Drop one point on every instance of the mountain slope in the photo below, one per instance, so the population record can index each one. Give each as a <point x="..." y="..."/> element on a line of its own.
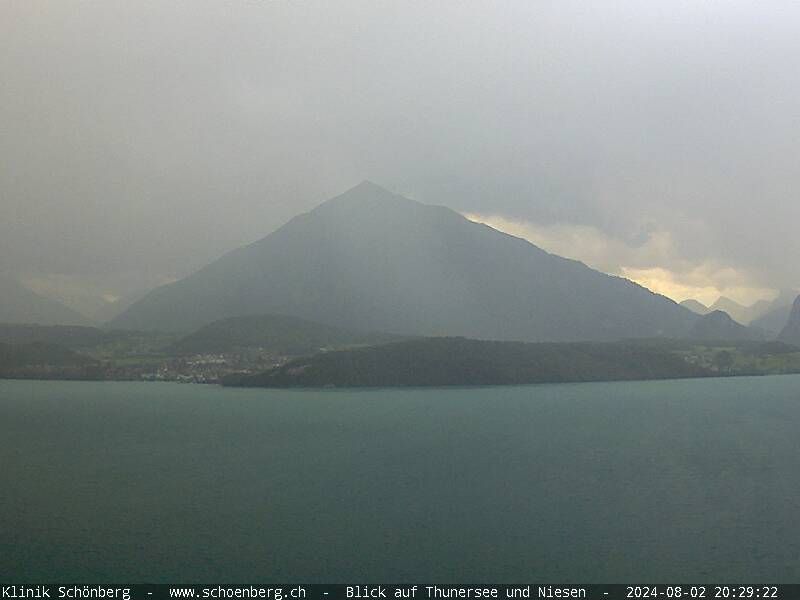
<point x="37" y="353"/>
<point x="20" y="305"/>
<point x="274" y="333"/>
<point x="375" y="261"/>
<point x="790" y="334"/>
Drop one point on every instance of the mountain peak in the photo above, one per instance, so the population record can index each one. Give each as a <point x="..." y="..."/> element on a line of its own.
<point x="370" y="187"/>
<point x="720" y="316"/>
<point x="366" y="197"/>
<point x="366" y="190"/>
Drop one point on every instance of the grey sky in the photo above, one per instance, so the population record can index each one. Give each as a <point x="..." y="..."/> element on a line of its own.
<point x="140" y="140"/>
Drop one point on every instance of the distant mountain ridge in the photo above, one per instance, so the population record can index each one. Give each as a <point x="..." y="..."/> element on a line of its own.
<point x="695" y="306"/>
<point x="719" y="326"/>
<point x="374" y="261"/>
<point x="738" y="312"/>
<point x="768" y="316"/>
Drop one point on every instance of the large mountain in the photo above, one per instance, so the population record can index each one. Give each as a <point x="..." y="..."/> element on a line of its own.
<point x="375" y="261"/>
<point x="739" y="312"/>
<point x="791" y="331"/>
<point x="20" y="305"/>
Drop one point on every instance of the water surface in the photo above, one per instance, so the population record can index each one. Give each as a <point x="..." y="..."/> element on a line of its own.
<point x="671" y="481"/>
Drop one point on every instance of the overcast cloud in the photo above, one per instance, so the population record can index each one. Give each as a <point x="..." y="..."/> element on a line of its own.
<point x="140" y="140"/>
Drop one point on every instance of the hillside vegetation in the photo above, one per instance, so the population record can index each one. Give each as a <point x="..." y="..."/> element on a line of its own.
<point x="460" y="361"/>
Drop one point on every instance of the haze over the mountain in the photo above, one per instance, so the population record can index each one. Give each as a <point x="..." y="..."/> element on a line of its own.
<point x="790" y="334"/>
<point x="739" y="312"/>
<point x="20" y="305"/>
<point x="375" y="261"/>
<point x="774" y="318"/>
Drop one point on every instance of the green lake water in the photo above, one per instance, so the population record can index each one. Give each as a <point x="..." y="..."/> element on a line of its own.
<point x="668" y="481"/>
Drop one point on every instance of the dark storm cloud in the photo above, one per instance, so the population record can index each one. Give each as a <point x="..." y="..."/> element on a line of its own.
<point x="139" y="140"/>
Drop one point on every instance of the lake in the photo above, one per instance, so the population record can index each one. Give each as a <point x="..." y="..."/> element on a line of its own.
<point x="667" y="481"/>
